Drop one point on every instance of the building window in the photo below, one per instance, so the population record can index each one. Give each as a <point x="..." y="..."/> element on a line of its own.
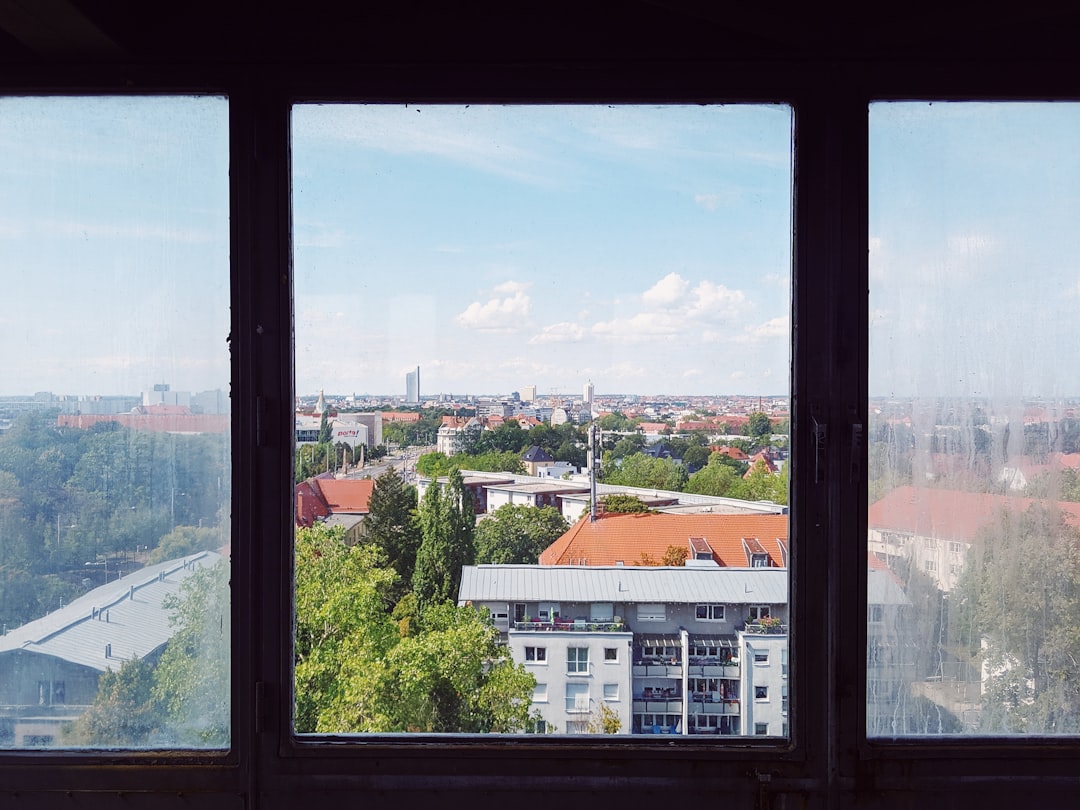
<point x="761" y="658"/>
<point x="651" y="613"/>
<point x="757" y="612"/>
<point x="955" y="548"/>
<point x="577" y="727"/>
<point x="549" y="611"/>
<point x="931" y="566"/>
<point x="611" y="691"/>
<point x="759" y="561"/>
<point x="709" y="613"/>
<point x="577" y="660"/>
<point x="537" y="654"/>
<point x="577" y="697"/>
<point x="601" y="612"/>
<point x="611" y="654"/>
<point x="761" y="693"/>
<point x="540" y="693"/>
<point x="875" y="613"/>
<point x="761" y="729"/>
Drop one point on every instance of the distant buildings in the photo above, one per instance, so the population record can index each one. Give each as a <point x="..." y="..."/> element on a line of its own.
<point x="935" y="528"/>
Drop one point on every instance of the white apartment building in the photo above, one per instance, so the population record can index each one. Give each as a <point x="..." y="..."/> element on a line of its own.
<point x="683" y="650"/>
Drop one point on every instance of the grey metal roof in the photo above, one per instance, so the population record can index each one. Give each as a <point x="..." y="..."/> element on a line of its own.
<point x="683" y="584"/>
<point x="557" y="583"/>
<point x="883" y="589"/>
<point x="125" y="614"/>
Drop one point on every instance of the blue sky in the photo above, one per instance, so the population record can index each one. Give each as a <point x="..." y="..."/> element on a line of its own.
<point x="975" y="250"/>
<point x="645" y="248"/>
<point x="114" y="244"/>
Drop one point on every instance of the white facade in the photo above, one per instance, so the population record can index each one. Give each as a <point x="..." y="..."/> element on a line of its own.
<point x="665" y="649"/>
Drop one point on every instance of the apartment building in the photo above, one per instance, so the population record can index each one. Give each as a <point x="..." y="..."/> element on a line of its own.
<point x="681" y="650"/>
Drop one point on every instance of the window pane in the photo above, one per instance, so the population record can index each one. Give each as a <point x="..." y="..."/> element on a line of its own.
<point x="476" y="288"/>
<point x="114" y="423"/>
<point x="974" y="432"/>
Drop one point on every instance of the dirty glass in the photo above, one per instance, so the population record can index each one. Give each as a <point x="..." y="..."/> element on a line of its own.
<point x="114" y="423"/>
<point x="515" y="326"/>
<point x="974" y="430"/>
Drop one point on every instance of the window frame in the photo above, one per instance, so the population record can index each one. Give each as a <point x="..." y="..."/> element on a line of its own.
<point x="828" y="756"/>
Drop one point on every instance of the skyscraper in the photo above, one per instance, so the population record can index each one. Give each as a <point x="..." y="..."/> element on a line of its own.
<point x="412" y="386"/>
<point x="587" y="394"/>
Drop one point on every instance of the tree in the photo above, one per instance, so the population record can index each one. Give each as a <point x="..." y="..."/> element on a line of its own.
<point x="391" y="526"/>
<point x="1020" y="592"/>
<point x="342" y="630"/>
<point x="191" y="682"/>
<point x="695" y="457"/>
<point x="675" y="556"/>
<point x="716" y="479"/>
<point x="184" y="540"/>
<point x="447" y="525"/>
<point x="324" y="429"/>
<point x="762" y="485"/>
<point x="640" y="470"/>
<point x="623" y="504"/>
<point x="518" y="534"/>
<point x="434" y="465"/>
<point x="359" y="669"/>
<point x="604" y="720"/>
<point x="123" y="714"/>
<point x="758" y="425"/>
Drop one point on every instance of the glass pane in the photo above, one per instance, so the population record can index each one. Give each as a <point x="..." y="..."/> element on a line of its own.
<point x="478" y="288"/>
<point x="114" y="423"/>
<point x="975" y="436"/>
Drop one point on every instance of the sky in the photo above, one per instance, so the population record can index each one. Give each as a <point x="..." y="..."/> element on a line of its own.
<point x="114" y="244"/>
<point x="645" y="248"/>
<point x="975" y="250"/>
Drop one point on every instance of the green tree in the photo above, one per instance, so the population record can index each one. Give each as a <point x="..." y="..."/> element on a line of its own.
<point x="761" y="485"/>
<point x="640" y="470"/>
<point x="758" y="425"/>
<point x="123" y="714"/>
<point x="604" y="720"/>
<point x="434" y="465"/>
<point x="716" y="479"/>
<point x="191" y="682"/>
<point x="695" y="457"/>
<point x="184" y="540"/>
<point x="623" y="504"/>
<point x="518" y="534"/>
<point x="342" y="631"/>
<point x="324" y="429"/>
<point x="391" y="525"/>
<point x="1020" y="592"/>
<point x="447" y="526"/>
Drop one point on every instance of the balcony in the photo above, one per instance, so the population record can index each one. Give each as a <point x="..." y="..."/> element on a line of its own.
<point x="576" y="626"/>
<point x="766" y="627"/>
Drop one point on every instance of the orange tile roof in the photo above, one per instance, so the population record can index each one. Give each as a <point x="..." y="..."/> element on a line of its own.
<point x="346" y="495"/>
<point x="951" y="514"/>
<point x="614" y="538"/>
<point x="318" y="498"/>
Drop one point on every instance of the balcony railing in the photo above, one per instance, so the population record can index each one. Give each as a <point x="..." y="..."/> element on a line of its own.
<point x="573" y="626"/>
<point x="766" y="628"/>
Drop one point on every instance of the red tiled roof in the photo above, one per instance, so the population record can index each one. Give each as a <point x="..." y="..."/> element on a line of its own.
<point x="614" y="538"/>
<point x="951" y="514"/>
<point x="346" y="494"/>
<point x="318" y="498"/>
<point x="730" y="452"/>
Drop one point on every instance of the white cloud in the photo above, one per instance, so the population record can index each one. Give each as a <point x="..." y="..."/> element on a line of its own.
<point x="667" y="292"/>
<point x="773" y="328"/>
<point x="500" y="314"/>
